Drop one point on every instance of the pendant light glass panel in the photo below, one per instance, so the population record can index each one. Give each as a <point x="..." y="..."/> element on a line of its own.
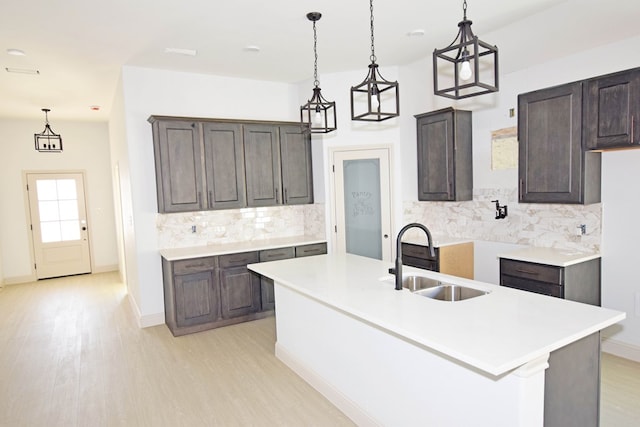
<point x="375" y="99"/>
<point x="467" y="67"/>
<point x="318" y="115"/>
<point x="47" y="141"/>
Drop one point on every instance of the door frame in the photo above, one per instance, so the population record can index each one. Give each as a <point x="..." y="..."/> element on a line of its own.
<point x="332" y="189"/>
<point x="27" y="212"/>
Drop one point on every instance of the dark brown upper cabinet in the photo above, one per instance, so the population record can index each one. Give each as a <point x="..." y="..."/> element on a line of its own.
<point x="224" y="165"/>
<point x="445" y="170"/>
<point x="553" y="167"/>
<point x="205" y="164"/>
<point x="178" y="166"/>
<point x="612" y="111"/>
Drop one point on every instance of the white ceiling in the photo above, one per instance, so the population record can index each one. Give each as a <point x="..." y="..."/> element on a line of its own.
<point x="79" y="46"/>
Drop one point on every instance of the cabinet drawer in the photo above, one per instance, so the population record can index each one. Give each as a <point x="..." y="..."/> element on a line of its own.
<point x="238" y="260"/>
<point x="529" y="270"/>
<point x="532" y="286"/>
<point x="276" y="254"/>
<point x="418" y="251"/>
<point x="420" y="263"/>
<point x="309" y="250"/>
<point x="193" y="265"/>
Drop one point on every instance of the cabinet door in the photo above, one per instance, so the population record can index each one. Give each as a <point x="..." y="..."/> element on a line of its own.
<point x="612" y="110"/>
<point x="262" y="164"/>
<point x="297" y="176"/>
<point x="240" y="292"/>
<point x="435" y="157"/>
<point x="550" y="145"/>
<point x="224" y="165"/>
<point x="178" y="166"/>
<point x="239" y="287"/>
<point x="196" y="298"/>
<point x="266" y="284"/>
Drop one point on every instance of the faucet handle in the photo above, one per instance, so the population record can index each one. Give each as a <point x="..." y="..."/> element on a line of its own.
<point x="392" y="271"/>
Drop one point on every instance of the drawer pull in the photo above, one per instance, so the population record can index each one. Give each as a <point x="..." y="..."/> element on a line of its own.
<point x="193" y="265"/>
<point x="522" y="270"/>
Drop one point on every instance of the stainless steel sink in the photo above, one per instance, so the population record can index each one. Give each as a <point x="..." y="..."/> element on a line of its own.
<point x="416" y="283"/>
<point x="448" y="292"/>
<point x="435" y="289"/>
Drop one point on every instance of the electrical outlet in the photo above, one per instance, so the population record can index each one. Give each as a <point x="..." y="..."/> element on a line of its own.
<point x="193" y="228"/>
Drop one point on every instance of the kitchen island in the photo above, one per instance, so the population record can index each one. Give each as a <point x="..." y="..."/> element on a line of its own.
<point x="388" y="357"/>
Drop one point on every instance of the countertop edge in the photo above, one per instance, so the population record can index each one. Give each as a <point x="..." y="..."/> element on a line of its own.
<point x="176" y="254"/>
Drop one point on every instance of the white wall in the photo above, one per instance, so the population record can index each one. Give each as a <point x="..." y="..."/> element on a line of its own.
<point x="86" y="147"/>
<point x="157" y="92"/>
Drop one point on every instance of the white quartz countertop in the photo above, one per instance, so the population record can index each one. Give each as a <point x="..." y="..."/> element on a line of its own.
<point x="175" y="254"/>
<point x="438" y="241"/>
<point x="549" y="256"/>
<point x="495" y="333"/>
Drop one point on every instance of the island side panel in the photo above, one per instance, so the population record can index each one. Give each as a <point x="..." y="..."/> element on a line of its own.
<point x="378" y="378"/>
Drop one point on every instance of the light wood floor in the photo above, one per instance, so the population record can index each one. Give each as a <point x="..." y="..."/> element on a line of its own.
<point x="72" y="355"/>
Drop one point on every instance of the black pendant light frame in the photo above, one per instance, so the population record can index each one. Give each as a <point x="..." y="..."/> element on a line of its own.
<point x="466" y="47"/>
<point x="374" y="87"/>
<point x="48" y="141"/>
<point x="318" y="115"/>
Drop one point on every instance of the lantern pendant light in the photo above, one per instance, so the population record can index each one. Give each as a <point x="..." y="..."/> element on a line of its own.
<point x="468" y="65"/>
<point x="375" y="99"/>
<point x="48" y="141"/>
<point x="318" y="115"/>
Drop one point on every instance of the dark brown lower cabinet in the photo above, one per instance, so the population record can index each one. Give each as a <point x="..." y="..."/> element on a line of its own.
<point x="239" y="287"/>
<point x="577" y="282"/>
<point x="572" y="385"/>
<point x="210" y="292"/>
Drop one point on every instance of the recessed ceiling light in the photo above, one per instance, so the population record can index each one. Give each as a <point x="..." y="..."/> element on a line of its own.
<point x="180" y="51"/>
<point x="416" y="33"/>
<point x="252" y="48"/>
<point x="21" y="71"/>
<point x="16" y="52"/>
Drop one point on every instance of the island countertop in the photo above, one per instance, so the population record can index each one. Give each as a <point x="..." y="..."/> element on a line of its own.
<point x="495" y="333"/>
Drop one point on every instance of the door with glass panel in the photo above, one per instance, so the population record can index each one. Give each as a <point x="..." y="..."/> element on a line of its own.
<point x="362" y="194"/>
<point x="58" y="224"/>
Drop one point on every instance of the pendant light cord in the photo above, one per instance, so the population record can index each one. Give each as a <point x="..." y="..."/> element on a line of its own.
<point x="464" y="10"/>
<point x="316" y="83"/>
<point x="373" y="52"/>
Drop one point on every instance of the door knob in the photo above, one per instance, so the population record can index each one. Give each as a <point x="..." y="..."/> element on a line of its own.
<point x="84" y="228"/>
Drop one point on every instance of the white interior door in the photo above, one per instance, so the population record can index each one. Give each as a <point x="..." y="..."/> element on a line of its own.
<point x="362" y="202"/>
<point x="58" y="224"/>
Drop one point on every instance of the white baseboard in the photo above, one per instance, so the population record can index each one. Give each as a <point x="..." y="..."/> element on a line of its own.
<point x="621" y="349"/>
<point x="19" y="279"/>
<point x="339" y="400"/>
<point x="105" y="268"/>
<point x="147" y="320"/>
<point x="151" y="320"/>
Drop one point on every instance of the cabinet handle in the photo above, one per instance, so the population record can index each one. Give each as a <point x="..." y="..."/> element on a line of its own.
<point x="520" y="185"/>
<point x="193" y="265"/>
<point x="277" y="198"/>
<point x="522" y="270"/>
<point x="632" y="123"/>
<point x="209" y="202"/>
<point x="285" y="196"/>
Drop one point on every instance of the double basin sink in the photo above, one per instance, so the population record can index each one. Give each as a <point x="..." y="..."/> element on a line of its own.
<point x="435" y="289"/>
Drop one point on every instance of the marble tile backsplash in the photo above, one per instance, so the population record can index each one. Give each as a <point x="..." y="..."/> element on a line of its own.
<point x="534" y="224"/>
<point x="238" y="225"/>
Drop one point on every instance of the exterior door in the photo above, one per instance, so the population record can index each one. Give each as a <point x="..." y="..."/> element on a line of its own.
<point x="58" y="224"/>
<point x="362" y="203"/>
